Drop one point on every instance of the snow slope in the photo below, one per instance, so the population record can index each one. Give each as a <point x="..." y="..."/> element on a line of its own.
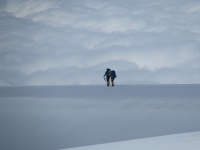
<point x="59" y="117"/>
<point x="185" y="141"/>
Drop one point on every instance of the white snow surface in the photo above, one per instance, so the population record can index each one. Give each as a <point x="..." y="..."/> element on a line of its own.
<point x="63" y="117"/>
<point x="185" y="141"/>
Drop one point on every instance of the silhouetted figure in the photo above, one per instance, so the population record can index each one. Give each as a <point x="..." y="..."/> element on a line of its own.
<point x="113" y="76"/>
<point x="107" y="74"/>
<point x="110" y="74"/>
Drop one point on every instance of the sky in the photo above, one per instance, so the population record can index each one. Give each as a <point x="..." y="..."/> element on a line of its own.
<point x="67" y="42"/>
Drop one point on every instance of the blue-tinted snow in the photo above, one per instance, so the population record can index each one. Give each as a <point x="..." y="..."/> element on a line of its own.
<point x="57" y="117"/>
<point x="184" y="141"/>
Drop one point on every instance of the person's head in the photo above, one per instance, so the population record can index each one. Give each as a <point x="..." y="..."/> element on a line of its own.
<point x="108" y="69"/>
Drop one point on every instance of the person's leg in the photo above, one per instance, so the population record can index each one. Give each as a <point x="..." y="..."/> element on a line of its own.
<point x="112" y="80"/>
<point x="108" y="80"/>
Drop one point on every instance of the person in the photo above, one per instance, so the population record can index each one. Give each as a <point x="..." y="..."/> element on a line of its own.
<point x="113" y="76"/>
<point x="107" y="74"/>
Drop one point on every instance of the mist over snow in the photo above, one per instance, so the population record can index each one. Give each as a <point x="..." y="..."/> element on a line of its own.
<point x="139" y="117"/>
<point x="55" y="42"/>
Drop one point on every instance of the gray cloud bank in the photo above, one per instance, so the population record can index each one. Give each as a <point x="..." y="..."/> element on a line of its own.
<point x="56" y="42"/>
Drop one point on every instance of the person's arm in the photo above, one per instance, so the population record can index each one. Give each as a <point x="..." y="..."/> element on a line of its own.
<point x="105" y="74"/>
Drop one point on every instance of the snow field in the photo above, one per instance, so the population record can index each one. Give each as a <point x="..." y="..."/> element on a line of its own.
<point x="62" y="117"/>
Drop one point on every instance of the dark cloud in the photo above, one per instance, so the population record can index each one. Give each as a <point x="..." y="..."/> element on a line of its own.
<point x="73" y="42"/>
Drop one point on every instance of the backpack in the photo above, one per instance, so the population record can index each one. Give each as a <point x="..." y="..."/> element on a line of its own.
<point x="113" y="74"/>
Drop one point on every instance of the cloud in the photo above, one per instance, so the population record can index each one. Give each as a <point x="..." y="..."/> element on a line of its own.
<point x="22" y="8"/>
<point x="73" y="42"/>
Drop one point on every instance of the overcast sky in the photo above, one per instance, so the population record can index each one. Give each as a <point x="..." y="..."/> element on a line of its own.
<point x="61" y="42"/>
